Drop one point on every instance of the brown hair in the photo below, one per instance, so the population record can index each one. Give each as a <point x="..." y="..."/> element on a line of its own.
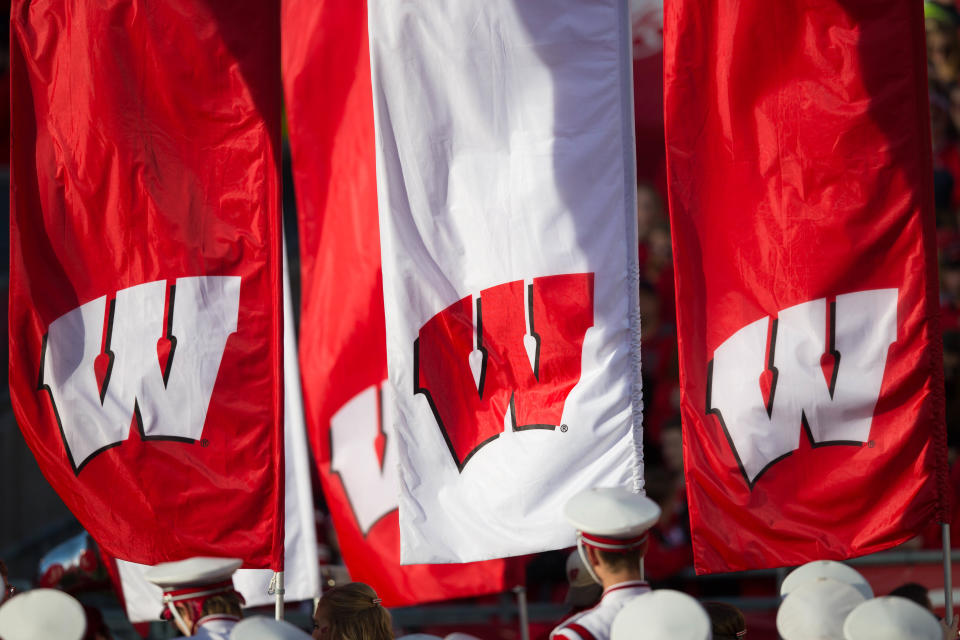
<point x="727" y="621"/>
<point x="622" y="560"/>
<point x="226" y="603"/>
<point x="353" y="612"/>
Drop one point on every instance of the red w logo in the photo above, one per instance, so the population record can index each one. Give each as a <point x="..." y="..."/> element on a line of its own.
<point x="521" y="353"/>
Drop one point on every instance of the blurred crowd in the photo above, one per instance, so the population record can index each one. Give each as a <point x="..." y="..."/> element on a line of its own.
<point x="943" y="63"/>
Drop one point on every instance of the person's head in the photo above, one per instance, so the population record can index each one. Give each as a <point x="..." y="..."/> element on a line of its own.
<point x="817" y="570"/>
<point x="583" y="590"/>
<point x="916" y="592"/>
<point x="940" y="122"/>
<point x="228" y="604"/>
<point x="661" y="614"/>
<point x="97" y="629"/>
<point x="649" y="209"/>
<point x="42" y="613"/>
<point x="950" y="276"/>
<point x="671" y="444"/>
<point x="659" y="246"/>
<point x="612" y="525"/>
<point x="943" y="53"/>
<point x="616" y="566"/>
<point x="262" y="628"/>
<point x="816" y="610"/>
<point x="953" y="98"/>
<point x="196" y="587"/>
<point x="351" y="612"/>
<point x="726" y="621"/>
<point x="649" y="305"/>
<point x="891" y="617"/>
<point x="6" y="590"/>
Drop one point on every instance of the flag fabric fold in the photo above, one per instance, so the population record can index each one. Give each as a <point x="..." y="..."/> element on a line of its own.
<point x="145" y="310"/>
<point x="342" y="339"/>
<point x="301" y="579"/>
<point x="801" y="208"/>
<point x="506" y="187"/>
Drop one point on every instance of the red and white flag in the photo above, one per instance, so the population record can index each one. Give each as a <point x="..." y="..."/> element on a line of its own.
<point x="342" y="338"/>
<point x="145" y="279"/>
<point x="801" y="204"/>
<point x="301" y="575"/>
<point x="506" y="185"/>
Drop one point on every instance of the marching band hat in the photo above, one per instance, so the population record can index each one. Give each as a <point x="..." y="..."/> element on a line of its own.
<point x="891" y="618"/>
<point x="261" y="628"/>
<point x="192" y="572"/>
<point x="42" y="613"/>
<point x="826" y="569"/>
<point x="611" y="518"/>
<point x="816" y="610"/>
<point x="660" y="614"/>
<point x="191" y="582"/>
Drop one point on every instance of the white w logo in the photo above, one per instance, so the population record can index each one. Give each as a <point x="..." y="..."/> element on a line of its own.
<point x="363" y="452"/>
<point x="169" y="403"/>
<point x="819" y="365"/>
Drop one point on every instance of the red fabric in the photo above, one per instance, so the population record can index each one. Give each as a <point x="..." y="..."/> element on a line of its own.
<point x="799" y="166"/>
<point x="146" y="149"/>
<point x="343" y="336"/>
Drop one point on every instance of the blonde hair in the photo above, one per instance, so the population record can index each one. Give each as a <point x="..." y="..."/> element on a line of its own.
<point x="353" y="612"/>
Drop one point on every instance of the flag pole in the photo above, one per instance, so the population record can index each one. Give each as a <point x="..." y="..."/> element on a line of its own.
<point x="521" y="593"/>
<point x="276" y="589"/>
<point x="947" y="574"/>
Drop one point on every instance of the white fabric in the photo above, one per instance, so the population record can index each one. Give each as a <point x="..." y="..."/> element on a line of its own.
<point x="599" y="620"/>
<point x="505" y="153"/>
<point x="661" y="614"/>
<point x="301" y="574"/>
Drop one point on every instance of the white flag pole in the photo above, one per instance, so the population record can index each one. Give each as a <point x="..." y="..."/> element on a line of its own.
<point x="276" y="589"/>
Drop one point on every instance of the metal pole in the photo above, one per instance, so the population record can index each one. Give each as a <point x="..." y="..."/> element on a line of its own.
<point x="524" y="614"/>
<point x="278" y="592"/>
<point x="947" y="575"/>
<point x="643" y="571"/>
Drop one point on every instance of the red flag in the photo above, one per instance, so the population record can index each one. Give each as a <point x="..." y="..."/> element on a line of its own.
<point x="800" y="194"/>
<point x="145" y="284"/>
<point x="342" y="337"/>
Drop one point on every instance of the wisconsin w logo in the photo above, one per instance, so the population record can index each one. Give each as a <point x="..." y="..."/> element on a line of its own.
<point x="363" y="452"/>
<point x="156" y="360"/>
<point x="517" y="349"/>
<point x="818" y="364"/>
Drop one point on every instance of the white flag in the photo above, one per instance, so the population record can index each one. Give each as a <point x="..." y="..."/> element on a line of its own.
<point x="301" y="569"/>
<point x="506" y="186"/>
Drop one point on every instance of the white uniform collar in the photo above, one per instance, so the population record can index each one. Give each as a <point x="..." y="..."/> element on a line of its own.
<point x="627" y="584"/>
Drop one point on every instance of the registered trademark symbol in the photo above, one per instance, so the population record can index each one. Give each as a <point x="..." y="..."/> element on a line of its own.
<point x="563" y="428"/>
<point x="204" y="443"/>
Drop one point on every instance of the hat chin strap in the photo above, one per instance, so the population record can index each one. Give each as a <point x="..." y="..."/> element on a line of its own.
<point x="178" y="619"/>
<point x="581" y="549"/>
